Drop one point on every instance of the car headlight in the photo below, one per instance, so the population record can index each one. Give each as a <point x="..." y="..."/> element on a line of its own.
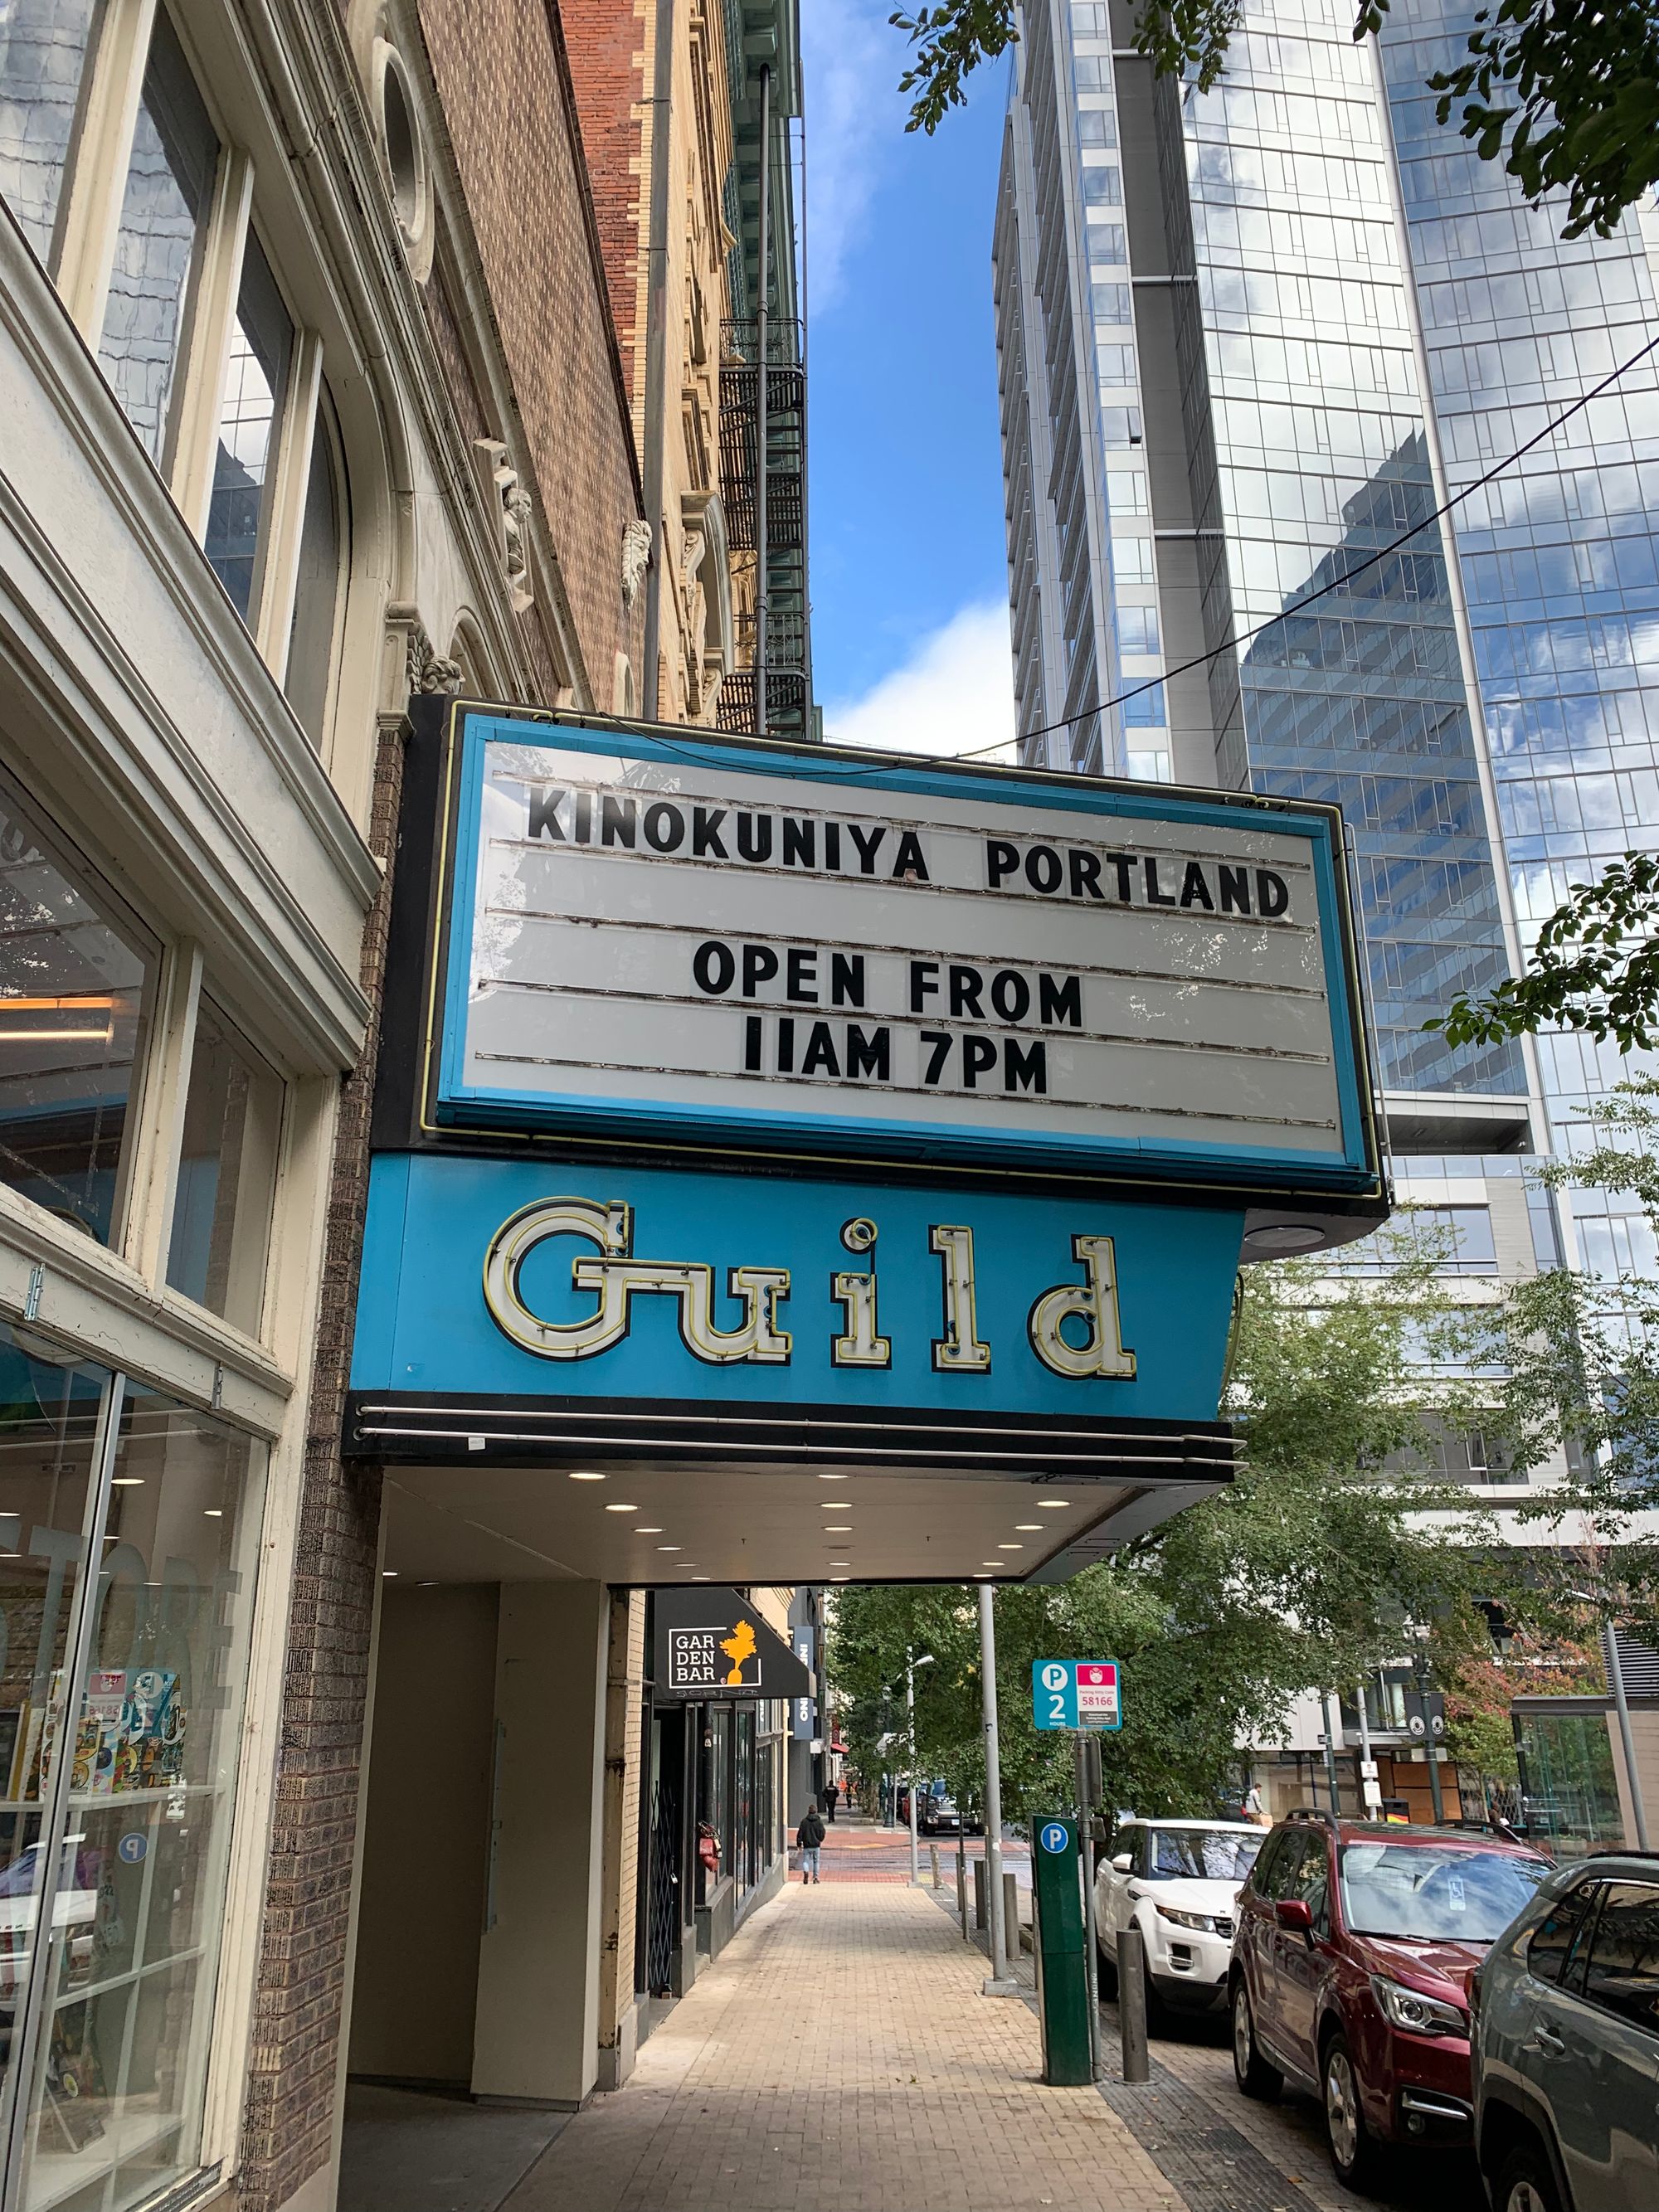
<point x="1202" y="1921"/>
<point x="1417" y="2013"/>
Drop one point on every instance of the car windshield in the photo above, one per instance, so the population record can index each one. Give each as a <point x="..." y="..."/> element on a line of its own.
<point x="1202" y="1855"/>
<point x="1427" y="1893"/>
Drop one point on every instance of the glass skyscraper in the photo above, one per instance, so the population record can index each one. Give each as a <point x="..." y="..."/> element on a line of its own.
<point x="1247" y="338"/>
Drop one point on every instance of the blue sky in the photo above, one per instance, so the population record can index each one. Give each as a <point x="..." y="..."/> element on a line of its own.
<point x="908" y="571"/>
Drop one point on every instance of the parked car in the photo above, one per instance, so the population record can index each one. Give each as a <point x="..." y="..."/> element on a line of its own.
<point x="1566" y="2044"/>
<point x="938" y="1813"/>
<point x="1177" y="1881"/>
<point x="1351" y="1970"/>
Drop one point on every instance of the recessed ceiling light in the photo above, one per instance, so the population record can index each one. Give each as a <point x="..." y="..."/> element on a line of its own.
<point x="214" y="1512"/>
<point x="979" y="1575"/>
<point x="839" y="1528"/>
<point x="431" y="1585"/>
<point x="837" y="1578"/>
<point x="585" y="1474"/>
<point x="1010" y="1547"/>
<point x="1026" y="1527"/>
<point x="622" y="1509"/>
<point x="840" y="1563"/>
<point x="671" y="1547"/>
<point x="824" y="1476"/>
<point x="1054" y="1501"/>
<point x="641" y="1530"/>
<point x="834" y="1506"/>
<point x="699" y="1578"/>
<point x="388" y="1574"/>
<point x="126" y="1482"/>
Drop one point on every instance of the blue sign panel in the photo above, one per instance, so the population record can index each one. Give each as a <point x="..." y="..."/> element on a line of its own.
<point x="696" y="941"/>
<point x="1076" y="1694"/>
<point x="1053" y="1836"/>
<point x="511" y="1280"/>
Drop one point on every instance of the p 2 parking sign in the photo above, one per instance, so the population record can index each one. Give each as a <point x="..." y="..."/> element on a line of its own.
<point x="1076" y="1694"/>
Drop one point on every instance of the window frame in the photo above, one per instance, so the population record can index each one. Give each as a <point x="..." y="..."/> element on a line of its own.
<point x="88" y="230"/>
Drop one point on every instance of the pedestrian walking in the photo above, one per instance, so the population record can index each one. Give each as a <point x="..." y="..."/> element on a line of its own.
<point x="808" y="1840"/>
<point x="1255" y="1810"/>
<point x="832" y="1791"/>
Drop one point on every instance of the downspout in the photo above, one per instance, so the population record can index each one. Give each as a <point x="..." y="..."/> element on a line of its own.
<point x="761" y="335"/>
<point x="656" y="346"/>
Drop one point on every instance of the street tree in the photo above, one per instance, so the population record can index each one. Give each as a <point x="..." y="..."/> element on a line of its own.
<point x="1595" y="968"/>
<point x="1302" y="1573"/>
<point x="1564" y="93"/>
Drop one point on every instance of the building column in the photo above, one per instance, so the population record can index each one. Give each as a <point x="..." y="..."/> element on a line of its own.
<point x="624" y="1783"/>
<point x="536" y="2039"/>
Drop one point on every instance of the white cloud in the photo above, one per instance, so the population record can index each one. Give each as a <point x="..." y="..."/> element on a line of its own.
<point x="955" y="694"/>
<point x="852" y="62"/>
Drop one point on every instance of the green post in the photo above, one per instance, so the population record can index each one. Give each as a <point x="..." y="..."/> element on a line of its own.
<point x="1063" y="1966"/>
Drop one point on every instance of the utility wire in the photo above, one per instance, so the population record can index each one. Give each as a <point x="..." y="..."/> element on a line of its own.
<point x="1297" y="605"/>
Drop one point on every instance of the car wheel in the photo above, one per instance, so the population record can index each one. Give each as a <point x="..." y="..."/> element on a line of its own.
<point x="1525" y="2183"/>
<point x="1250" y="2069"/>
<point x="1353" y="2147"/>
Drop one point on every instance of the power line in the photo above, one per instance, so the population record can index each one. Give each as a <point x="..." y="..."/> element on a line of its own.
<point x="1297" y="605"/>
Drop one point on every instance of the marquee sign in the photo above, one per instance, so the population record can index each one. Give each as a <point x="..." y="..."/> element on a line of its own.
<point x="709" y="942"/>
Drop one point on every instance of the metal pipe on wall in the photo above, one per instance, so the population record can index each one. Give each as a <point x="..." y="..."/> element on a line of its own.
<point x="656" y="350"/>
<point x="762" y="336"/>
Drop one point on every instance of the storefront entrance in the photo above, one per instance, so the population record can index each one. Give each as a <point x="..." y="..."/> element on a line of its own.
<point x="129" y="1526"/>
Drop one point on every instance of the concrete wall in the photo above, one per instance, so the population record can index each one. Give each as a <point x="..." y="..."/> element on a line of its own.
<point x="536" y="2038"/>
<point x="426" y="1834"/>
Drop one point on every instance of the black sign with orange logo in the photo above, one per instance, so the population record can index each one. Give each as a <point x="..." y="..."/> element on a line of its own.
<point x="713" y="1643"/>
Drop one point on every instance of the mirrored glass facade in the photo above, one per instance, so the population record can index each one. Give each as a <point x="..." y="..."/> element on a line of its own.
<point x="1290" y="316"/>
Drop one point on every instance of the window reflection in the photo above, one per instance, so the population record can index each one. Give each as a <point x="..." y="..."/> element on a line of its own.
<point x="73" y="1006"/>
<point x="262" y="342"/>
<point x="43" y="53"/>
<point x="175" y="154"/>
<point x="227" y="1174"/>
<point x="319" y="587"/>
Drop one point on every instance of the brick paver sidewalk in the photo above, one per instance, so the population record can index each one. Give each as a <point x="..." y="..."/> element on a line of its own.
<point x="839" y="2057"/>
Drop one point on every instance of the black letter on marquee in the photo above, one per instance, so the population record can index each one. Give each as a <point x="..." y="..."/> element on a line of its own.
<point x="910" y="862"/>
<point x="1061" y="1002"/>
<point x="801" y="974"/>
<point x="754" y="844"/>
<point x="706" y="831"/>
<point x="617" y="821"/>
<point x="1125" y="866"/>
<point x="977" y="1055"/>
<point x="712" y="967"/>
<point x="1235" y="890"/>
<point x="1154" y="897"/>
<point x="868" y="842"/>
<point x="868" y="1055"/>
<point x="1002" y="859"/>
<point x="1025" y="1067"/>
<point x="800" y="841"/>
<point x="1042" y="868"/>
<point x="1010" y="994"/>
<point x="543" y="811"/>
<point x="922" y="984"/>
<point x="820" y="1052"/>
<point x="1194" y="891"/>
<point x="665" y="828"/>
<point x="846" y="979"/>
<point x="751" y="1043"/>
<point x="938" y="1044"/>
<point x="966" y="984"/>
<point x="1273" y="893"/>
<point x="1086" y="875"/>
<point x="760" y="965"/>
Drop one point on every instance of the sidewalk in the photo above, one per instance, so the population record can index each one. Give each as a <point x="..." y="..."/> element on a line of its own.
<point x="839" y="2057"/>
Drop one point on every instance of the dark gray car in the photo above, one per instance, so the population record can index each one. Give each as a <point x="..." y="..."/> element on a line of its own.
<point x="1565" y="2048"/>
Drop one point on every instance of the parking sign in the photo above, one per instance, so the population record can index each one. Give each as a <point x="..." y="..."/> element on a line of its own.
<point x="1076" y="1694"/>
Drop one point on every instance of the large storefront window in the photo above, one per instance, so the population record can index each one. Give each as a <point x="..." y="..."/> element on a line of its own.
<point x="714" y="1801"/>
<point x="120" y="1850"/>
<point x="75" y="987"/>
<point x="743" y="1805"/>
<point x="1569" y="1790"/>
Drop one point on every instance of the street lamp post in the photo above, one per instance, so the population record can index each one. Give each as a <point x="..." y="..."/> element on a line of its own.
<point x="1430" y="1751"/>
<point x="911" y="1663"/>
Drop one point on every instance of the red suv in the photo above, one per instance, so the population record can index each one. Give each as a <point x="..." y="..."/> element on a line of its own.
<point x="1351" y="1970"/>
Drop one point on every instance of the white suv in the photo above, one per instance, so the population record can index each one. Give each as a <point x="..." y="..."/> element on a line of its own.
<point x="1177" y="1881"/>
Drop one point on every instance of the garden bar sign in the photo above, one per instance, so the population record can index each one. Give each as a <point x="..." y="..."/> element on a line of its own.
<point x="740" y="944"/>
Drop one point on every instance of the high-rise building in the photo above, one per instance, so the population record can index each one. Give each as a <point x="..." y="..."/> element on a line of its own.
<point x="1247" y="339"/>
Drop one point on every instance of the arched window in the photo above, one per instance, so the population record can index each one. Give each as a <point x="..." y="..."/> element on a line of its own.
<point x="325" y="554"/>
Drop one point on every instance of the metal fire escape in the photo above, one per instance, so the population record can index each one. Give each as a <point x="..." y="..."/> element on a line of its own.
<point x="783" y="583"/>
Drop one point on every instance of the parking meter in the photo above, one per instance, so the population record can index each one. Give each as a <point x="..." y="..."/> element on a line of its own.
<point x="1061" y="1953"/>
